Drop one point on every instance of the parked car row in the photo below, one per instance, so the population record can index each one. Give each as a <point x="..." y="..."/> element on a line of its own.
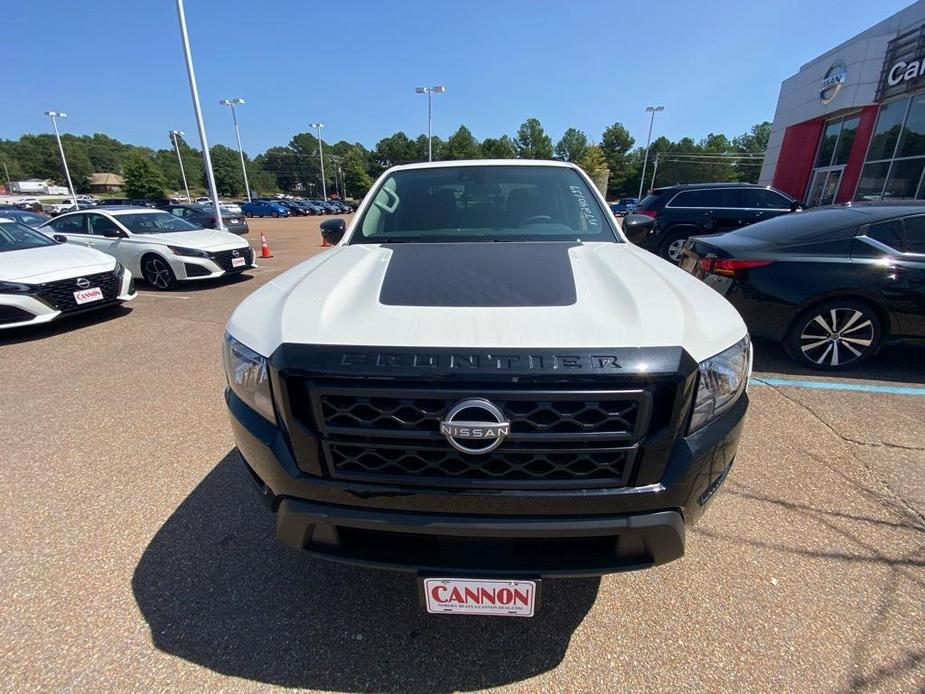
<point x="87" y="259"/>
<point x="831" y="284"/>
<point x="295" y="207"/>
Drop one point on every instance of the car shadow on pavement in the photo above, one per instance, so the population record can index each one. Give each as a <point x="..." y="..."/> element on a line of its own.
<point x="898" y="363"/>
<point x="217" y="589"/>
<point x="65" y="324"/>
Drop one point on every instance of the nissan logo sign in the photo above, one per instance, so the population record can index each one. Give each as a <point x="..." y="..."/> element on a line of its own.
<point x="83" y="282"/>
<point x="834" y="79"/>
<point x="478" y="420"/>
<point x="235" y="253"/>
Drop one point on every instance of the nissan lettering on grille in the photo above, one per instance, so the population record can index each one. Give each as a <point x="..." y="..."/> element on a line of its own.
<point x="475" y="419"/>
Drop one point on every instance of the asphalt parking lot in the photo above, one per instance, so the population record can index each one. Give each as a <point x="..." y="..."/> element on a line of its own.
<point x="136" y="553"/>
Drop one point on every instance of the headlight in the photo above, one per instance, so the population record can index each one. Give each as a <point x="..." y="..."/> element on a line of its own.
<point x="720" y="382"/>
<point x="248" y="377"/>
<point x="14" y="288"/>
<point x="179" y="250"/>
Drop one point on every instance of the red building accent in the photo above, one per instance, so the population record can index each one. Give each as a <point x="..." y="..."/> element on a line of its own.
<point x="797" y="152"/>
<point x="849" y="179"/>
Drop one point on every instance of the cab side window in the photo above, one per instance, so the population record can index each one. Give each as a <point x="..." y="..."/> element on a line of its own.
<point x="767" y="200"/>
<point x="75" y="224"/>
<point x="888" y="233"/>
<point x="100" y="224"/>
<point x="915" y="234"/>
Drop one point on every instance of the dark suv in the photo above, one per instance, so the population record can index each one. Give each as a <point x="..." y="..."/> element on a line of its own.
<point x="702" y="208"/>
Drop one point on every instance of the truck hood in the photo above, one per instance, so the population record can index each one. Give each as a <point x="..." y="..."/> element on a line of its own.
<point x="50" y="263"/>
<point x="488" y="295"/>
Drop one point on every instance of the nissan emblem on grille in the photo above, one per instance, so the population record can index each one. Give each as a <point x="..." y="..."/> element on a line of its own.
<point x="235" y="253"/>
<point x="488" y="425"/>
<point x="83" y="282"/>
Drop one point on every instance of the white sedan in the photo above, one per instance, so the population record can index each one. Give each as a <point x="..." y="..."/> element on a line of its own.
<point x="42" y="279"/>
<point x="161" y="248"/>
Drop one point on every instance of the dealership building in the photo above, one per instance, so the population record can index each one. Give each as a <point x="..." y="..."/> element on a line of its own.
<point x="850" y="125"/>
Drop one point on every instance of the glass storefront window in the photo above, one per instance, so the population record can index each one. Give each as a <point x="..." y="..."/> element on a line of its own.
<point x="846" y="139"/>
<point x="889" y="124"/>
<point x="912" y="143"/>
<point x="896" y="155"/>
<point x="904" y="178"/>
<point x="827" y="145"/>
<point x="873" y="176"/>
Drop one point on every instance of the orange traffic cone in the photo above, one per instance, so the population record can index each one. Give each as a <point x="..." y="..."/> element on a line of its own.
<point x="325" y="243"/>
<point x="264" y="246"/>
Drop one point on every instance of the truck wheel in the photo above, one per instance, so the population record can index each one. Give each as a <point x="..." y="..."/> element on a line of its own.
<point x="835" y="335"/>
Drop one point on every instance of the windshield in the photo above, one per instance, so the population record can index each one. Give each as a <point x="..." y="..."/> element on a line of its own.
<point x="154" y="223"/>
<point x="484" y="203"/>
<point x="18" y="237"/>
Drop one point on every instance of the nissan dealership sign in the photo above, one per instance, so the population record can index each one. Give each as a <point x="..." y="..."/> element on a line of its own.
<point x="904" y="67"/>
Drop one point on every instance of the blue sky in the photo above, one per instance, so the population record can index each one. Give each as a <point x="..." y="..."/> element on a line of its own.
<point x="116" y="66"/>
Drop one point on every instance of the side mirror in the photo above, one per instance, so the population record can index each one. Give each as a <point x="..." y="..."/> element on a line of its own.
<point x="795" y="206"/>
<point x="332" y="230"/>
<point x="60" y="238"/>
<point x="637" y="226"/>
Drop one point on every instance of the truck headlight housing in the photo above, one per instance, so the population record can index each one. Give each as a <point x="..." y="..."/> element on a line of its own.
<point x="248" y="377"/>
<point x="720" y="382"/>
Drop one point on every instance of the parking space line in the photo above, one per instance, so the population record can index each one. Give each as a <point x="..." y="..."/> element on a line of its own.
<point x="161" y="296"/>
<point x="837" y="385"/>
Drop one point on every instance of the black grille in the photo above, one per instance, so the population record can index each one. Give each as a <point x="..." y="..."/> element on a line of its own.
<point x="60" y="294"/>
<point x="224" y="258"/>
<point x="615" y="415"/>
<point x="196" y="270"/>
<point x="443" y="464"/>
<point x="557" y="437"/>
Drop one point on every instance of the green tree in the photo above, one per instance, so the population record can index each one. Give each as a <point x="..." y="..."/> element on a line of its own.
<point x="461" y="145"/>
<point x="356" y="179"/>
<point x="226" y="167"/>
<point x="396" y="149"/>
<point x="616" y="143"/>
<point x="595" y="165"/>
<point x="498" y="148"/>
<point x="436" y="147"/>
<point x="572" y="146"/>
<point x="532" y="142"/>
<point x="143" y="178"/>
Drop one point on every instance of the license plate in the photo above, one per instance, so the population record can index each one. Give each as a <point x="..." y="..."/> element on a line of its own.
<point x="85" y="296"/>
<point x="238" y="262"/>
<point x="688" y="262"/>
<point x="480" y="596"/>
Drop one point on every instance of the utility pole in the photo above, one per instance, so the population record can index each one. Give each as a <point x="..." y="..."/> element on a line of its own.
<point x="197" y="109"/>
<point x="55" y="115"/>
<point x="324" y="188"/>
<point x="237" y="134"/>
<point x="642" y="178"/>
<point x="654" y="170"/>
<point x="436" y="89"/>
<point x="176" y="144"/>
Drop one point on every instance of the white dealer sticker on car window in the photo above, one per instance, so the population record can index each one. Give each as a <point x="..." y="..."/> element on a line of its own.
<point x="583" y="205"/>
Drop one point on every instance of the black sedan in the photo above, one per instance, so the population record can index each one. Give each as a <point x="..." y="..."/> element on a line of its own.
<point x="831" y="284"/>
<point x="203" y="216"/>
<point x="295" y="209"/>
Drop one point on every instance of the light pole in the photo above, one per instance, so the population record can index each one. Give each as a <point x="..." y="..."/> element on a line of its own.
<point x="176" y="144"/>
<point x="237" y="134"/>
<point x="55" y="115"/>
<point x="324" y="190"/>
<point x="197" y="109"/>
<point x="439" y="89"/>
<point x="642" y="178"/>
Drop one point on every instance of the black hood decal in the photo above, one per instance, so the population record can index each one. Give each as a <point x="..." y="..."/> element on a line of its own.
<point x="479" y="274"/>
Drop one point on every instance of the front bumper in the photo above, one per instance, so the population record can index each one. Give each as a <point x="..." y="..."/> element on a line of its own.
<point x="21" y="310"/>
<point x="574" y="532"/>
